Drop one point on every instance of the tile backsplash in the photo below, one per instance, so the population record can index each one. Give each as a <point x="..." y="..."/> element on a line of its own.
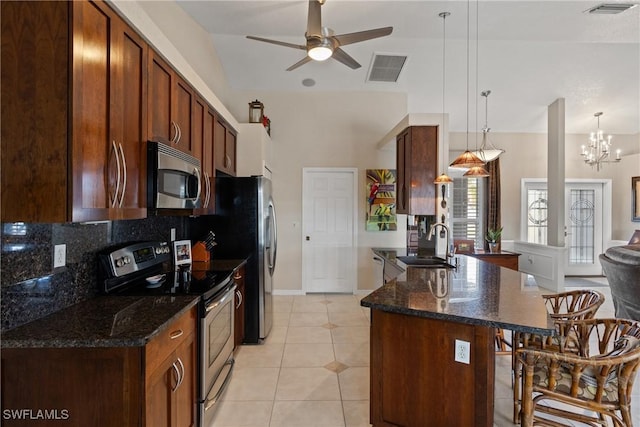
<point x="31" y="288"/>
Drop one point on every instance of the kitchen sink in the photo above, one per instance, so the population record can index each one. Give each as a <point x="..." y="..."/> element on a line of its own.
<point x="424" y="262"/>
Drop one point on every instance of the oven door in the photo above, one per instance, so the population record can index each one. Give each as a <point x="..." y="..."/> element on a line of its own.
<point x="217" y="350"/>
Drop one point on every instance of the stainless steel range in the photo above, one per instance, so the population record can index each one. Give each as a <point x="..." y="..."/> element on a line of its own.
<point x="145" y="268"/>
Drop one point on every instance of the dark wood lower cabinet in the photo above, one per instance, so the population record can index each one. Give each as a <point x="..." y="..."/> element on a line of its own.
<point x="415" y="381"/>
<point x="151" y="386"/>
<point x="503" y="259"/>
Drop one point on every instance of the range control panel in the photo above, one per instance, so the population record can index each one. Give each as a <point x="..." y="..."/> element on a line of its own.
<point x="137" y="256"/>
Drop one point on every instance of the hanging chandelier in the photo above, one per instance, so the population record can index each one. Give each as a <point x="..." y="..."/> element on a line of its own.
<point x="599" y="148"/>
<point x="443" y="178"/>
<point x="487" y="151"/>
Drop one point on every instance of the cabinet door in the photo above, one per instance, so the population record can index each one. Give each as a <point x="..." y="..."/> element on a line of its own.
<point x="240" y="307"/>
<point x="423" y="161"/>
<point x="184" y="106"/>
<point x="401" y="170"/>
<point x="203" y="146"/>
<point x="94" y="157"/>
<point x="160" y="388"/>
<point x="230" y="150"/>
<point x="219" y="144"/>
<point x="129" y="113"/>
<point x="34" y="176"/>
<point x="185" y="395"/>
<point x="160" y="100"/>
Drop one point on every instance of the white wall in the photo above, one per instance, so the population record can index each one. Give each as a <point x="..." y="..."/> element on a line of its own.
<point x="325" y="130"/>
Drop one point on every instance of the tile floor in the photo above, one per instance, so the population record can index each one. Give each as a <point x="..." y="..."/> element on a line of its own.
<point x="313" y="369"/>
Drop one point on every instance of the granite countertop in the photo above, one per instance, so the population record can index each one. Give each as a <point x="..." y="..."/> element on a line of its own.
<point x="476" y="293"/>
<point x="104" y="321"/>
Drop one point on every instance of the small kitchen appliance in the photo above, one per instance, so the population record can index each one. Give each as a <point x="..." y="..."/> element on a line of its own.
<point x="147" y="268"/>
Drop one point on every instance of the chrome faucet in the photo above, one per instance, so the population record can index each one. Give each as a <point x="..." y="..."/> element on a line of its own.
<point x="432" y="232"/>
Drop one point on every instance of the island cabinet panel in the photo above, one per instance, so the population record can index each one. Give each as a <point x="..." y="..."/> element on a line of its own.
<point x="415" y="381"/>
<point x="73" y="116"/>
<point x="416" y="168"/>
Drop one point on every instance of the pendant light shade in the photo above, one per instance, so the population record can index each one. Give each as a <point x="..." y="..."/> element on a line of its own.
<point x="443" y="179"/>
<point x="476" y="172"/>
<point x="467" y="160"/>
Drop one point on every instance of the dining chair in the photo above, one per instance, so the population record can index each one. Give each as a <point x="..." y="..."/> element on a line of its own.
<point x="562" y="307"/>
<point x="592" y="388"/>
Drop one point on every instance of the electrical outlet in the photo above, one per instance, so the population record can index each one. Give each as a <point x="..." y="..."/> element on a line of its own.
<point x="463" y="352"/>
<point x="59" y="256"/>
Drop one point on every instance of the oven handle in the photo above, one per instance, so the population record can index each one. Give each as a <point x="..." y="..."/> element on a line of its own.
<point x="216" y="303"/>
<point x="210" y="402"/>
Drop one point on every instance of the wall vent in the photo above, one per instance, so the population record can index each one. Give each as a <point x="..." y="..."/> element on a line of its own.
<point x="386" y="68"/>
<point x="611" y="8"/>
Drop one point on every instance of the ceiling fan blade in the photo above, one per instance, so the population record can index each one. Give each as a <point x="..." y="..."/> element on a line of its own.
<point x="314" y="20"/>
<point x="342" y="56"/>
<point x="279" y="43"/>
<point x="360" y="36"/>
<point x="299" y="63"/>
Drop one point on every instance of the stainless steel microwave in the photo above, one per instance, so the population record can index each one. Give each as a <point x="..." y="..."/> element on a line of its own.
<point x="174" y="178"/>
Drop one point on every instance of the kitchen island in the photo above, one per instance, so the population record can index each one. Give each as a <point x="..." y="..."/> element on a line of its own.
<point x="424" y="320"/>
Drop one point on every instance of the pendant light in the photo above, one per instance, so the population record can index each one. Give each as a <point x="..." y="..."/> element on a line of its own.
<point x="443" y="178"/>
<point x="478" y="170"/>
<point x="487" y="152"/>
<point x="467" y="159"/>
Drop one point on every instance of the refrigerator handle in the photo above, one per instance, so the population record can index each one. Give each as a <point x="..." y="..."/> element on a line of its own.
<point x="273" y="237"/>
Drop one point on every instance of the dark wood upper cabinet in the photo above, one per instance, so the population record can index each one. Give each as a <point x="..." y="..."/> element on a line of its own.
<point x="171" y="105"/>
<point x="73" y="113"/>
<point x="416" y="168"/>
<point x="224" y="141"/>
<point x="203" y="119"/>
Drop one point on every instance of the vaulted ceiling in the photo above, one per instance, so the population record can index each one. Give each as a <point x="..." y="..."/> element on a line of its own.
<point x="528" y="53"/>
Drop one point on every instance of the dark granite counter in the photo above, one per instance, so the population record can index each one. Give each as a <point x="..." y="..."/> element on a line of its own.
<point x="104" y="321"/>
<point x="477" y="293"/>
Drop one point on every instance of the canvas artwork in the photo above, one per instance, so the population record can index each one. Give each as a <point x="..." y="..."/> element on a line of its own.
<point x="381" y="200"/>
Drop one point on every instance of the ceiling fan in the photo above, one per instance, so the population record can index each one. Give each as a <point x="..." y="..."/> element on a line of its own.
<point x="322" y="44"/>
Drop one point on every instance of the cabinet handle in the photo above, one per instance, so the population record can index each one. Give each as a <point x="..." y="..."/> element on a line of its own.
<point x="176" y="334"/>
<point x="115" y="153"/>
<point x="239" y="294"/>
<point x="197" y="172"/>
<point x="178" y="134"/>
<point x="208" y="196"/>
<point x="237" y="276"/>
<point x="181" y="374"/>
<point x="124" y="175"/>
<point x="177" y="376"/>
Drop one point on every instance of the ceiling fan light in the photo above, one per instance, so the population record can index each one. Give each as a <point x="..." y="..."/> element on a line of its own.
<point x="320" y="53"/>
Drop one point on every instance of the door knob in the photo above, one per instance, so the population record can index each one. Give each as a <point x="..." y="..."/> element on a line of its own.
<point x="308" y="238"/>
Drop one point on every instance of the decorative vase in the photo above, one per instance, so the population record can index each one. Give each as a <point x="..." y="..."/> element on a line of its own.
<point x="493" y="247"/>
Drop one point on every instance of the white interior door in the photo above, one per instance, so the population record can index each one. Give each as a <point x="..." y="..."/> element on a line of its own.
<point x="328" y="240"/>
<point x="583" y="225"/>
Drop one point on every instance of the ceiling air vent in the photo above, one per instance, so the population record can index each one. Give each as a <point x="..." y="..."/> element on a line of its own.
<point x="386" y="68"/>
<point x="611" y="8"/>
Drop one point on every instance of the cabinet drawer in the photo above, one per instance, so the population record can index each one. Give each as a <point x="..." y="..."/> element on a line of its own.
<point x="168" y="340"/>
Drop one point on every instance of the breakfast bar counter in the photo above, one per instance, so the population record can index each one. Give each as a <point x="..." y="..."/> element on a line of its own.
<point x="433" y="340"/>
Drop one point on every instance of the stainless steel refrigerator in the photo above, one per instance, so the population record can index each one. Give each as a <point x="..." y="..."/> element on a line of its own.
<point x="245" y="227"/>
